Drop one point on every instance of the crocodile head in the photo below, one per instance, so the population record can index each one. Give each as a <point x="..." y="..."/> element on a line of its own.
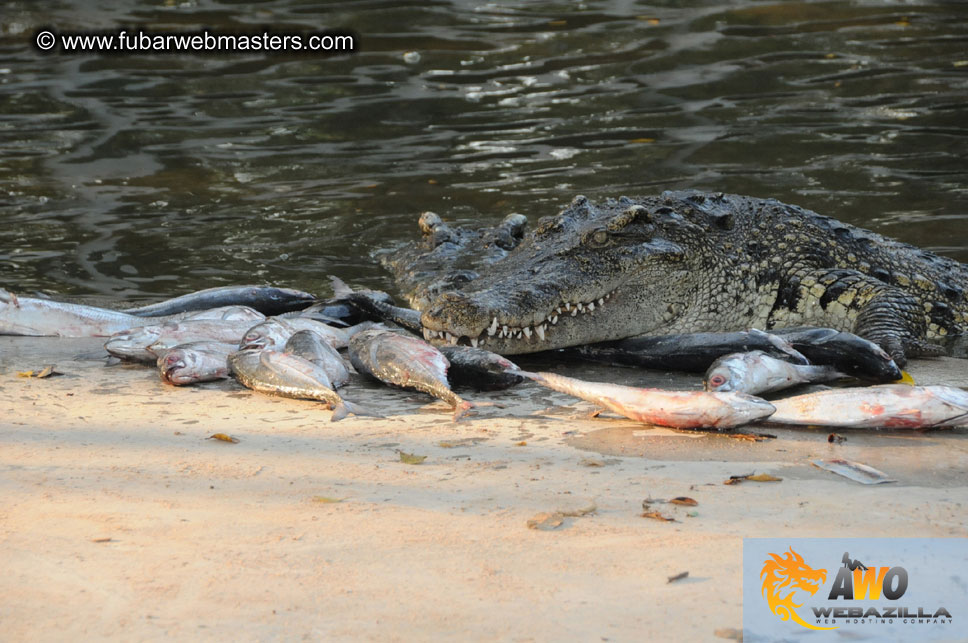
<point x="588" y="274"/>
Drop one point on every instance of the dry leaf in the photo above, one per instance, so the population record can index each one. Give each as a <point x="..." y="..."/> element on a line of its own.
<point x="683" y="500"/>
<point x="764" y="477"/>
<point x="522" y="443"/>
<point x="546" y="521"/>
<point x="223" y="437"/>
<point x="655" y="515"/>
<point x="591" y="462"/>
<point x="101" y="540"/>
<point x="410" y="458"/>
<point x="326" y="500"/>
<point x="673" y="579"/>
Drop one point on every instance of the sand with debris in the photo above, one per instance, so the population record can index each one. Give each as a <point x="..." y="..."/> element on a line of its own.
<point x="120" y="519"/>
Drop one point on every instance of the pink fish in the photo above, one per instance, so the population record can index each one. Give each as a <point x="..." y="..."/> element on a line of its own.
<point x="890" y="406"/>
<point x="677" y="409"/>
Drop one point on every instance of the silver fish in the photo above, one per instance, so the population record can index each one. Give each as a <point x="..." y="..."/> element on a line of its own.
<point x="404" y="360"/>
<point x="266" y="299"/>
<point x="227" y="313"/>
<point x="195" y="362"/>
<point x="275" y="373"/>
<point x="480" y="369"/>
<point x="274" y="332"/>
<point x="308" y="345"/>
<point x="42" y="317"/>
<point x="145" y="342"/>
<point x="677" y="409"/>
<point x="888" y="406"/>
<point x="756" y="372"/>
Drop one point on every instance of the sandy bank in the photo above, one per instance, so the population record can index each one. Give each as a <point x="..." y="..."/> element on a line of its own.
<point x="118" y="518"/>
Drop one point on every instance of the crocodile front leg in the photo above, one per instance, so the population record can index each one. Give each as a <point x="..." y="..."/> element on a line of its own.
<point x="853" y="301"/>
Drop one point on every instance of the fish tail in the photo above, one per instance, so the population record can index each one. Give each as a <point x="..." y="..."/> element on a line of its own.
<point x="343" y="408"/>
<point x="461" y="409"/>
<point x="530" y="375"/>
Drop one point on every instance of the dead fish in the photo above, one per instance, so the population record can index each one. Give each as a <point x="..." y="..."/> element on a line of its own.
<point x="406" y="361"/>
<point x="848" y="353"/>
<point x="268" y="300"/>
<point x="377" y="305"/>
<point x="199" y="330"/>
<point x="889" y="406"/>
<point x="756" y="372"/>
<point x="195" y="362"/>
<point x="46" y="318"/>
<point x="132" y="344"/>
<point x="274" y="332"/>
<point x="480" y="369"/>
<point x="145" y="342"/>
<point x="275" y="373"/>
<point x="227" y="313"/>
<point x="308" y="345"/>
<point x="676" y="409"/>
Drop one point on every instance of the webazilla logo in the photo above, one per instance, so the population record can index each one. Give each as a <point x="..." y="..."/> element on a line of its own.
<point x="787" y="576"/>
<point x="784" y="576"/>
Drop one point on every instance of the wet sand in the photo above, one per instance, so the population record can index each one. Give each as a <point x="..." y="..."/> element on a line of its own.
<point x="120" y="519"/>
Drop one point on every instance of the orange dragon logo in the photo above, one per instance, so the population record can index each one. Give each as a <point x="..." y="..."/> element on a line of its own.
<point x="782" y="578"/>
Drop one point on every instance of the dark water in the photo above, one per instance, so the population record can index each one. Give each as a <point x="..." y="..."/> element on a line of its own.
<point x="126" y="177"/>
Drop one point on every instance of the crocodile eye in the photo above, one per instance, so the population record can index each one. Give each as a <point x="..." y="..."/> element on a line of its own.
<point x="600" y="237"/>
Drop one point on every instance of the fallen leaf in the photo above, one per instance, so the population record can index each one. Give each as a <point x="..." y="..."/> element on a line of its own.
<point x="546" y="521"/>
<point x="655" y="515"/>
<point x="223" y="437"/>
<point x="591" y="462"/>
<point x="680" y="576"/>
<point x="101" y="540"/>
<point x="683" y="500"/>
<point x="764" y="477"/>
<point x="752" y="477"/>
<point x="522" y="443"/>
<point x="326" y="500"/>
<point x="410" y="458"/>
<point x="46" y="371"/>
<point x="854" y="470"/>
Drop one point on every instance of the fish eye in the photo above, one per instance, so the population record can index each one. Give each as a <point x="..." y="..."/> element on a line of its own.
<point x="717" y="380"/>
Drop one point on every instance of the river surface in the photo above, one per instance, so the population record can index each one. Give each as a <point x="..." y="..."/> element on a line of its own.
<point x="134" y="176"/>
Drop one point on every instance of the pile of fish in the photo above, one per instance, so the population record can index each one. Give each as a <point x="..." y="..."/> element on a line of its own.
<point x="285" y="342"/>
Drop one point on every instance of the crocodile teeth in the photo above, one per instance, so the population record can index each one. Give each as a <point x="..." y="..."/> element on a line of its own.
<point x="527" y="332"/>
<point x="493" y="327"/>
<point x="567" y="306"/>
<point x="601" y="301"/>
<point x="474" y="342"/>
<point x="553" y="320"/>
<point x="591" y="306"/>
<point x="558" y="310"/>
<point x="540" y="331"/>
<point x="574" y="311"/>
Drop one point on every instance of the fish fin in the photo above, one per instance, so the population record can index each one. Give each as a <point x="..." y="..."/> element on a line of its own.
<point x="462" y="409"/>
<point x="781" y="345"/>
<point x="340" y="289"/>
<point x="531" y="376"/>
<point x="905" y="379"/>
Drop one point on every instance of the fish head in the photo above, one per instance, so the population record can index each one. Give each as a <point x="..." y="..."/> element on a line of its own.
<point x="725" y="374"/>
<point x="173" y="365"/>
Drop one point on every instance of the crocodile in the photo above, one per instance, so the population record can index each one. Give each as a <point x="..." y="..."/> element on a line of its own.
<point x="680" y="262"/>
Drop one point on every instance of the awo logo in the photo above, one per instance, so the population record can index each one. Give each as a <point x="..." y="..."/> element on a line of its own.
<point x="785" y="576"/>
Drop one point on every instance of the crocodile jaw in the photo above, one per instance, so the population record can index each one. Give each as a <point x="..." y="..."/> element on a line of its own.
<point x="613" y="314"/>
